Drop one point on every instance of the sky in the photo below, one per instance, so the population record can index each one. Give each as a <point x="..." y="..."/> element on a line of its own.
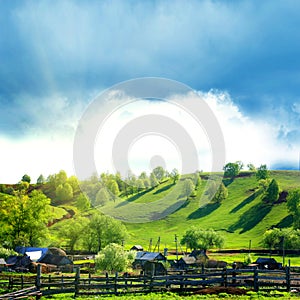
<point x="242" y="57"/>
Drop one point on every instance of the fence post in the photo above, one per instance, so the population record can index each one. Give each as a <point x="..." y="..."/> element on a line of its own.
<point x="224" y="276"/>
<point x="38" y="277"/>
<point x="107" y="280"/>
<point x="288" y="278"/>
<point x="116" y="284"/>
<point x="255" y="280"/>
<point x="22" y="282"/>
<point x="77" y="281"/>
<point x="49" y="281"/>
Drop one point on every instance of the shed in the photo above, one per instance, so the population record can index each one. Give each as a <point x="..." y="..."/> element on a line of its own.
<point x="154" y="268"/>
<point x="143" y="256"/>
<point x="18" y="263"/>
<point x="137" y="248"/>
<point x="186" y="262"/>
<point x="199" y="255"/>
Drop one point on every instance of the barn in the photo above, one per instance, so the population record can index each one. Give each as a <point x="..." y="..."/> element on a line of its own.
<point x="137" y="248"/>
<point x="143" y="256"/>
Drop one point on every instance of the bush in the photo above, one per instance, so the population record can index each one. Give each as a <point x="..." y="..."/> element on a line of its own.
<point x="5" y="253"/>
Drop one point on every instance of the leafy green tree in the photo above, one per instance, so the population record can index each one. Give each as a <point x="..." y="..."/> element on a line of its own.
<point x="264" y="184"/>
<point x="23" y="186"/>
<point x="103" y="230"/>
<point x="74" y="183"/>
<point x="140" y="184"/>
<point x="120" y="182"/>
<point x="195" y="238"/>
<point x="102" y="197"/>
<point x="113" y="188"/>
<point x="278" y="238"/>
<point x="113" y="258"/>
<point x="41" y="179"/>
<point x="174" y="175"/>
<point x="24" y="218"/>
<point x="153" y="180"/>
<point x="159" y="173"/>
<point x="146" y="182"/>
<point x="143" y="176"/>
<point x="272" y="192"/>
<point x="293" y="205"/>
<point x="60" y="178"/>
<point x="262" y="172"/>
<point x="251" y="167"/>
<point x="196" y="179"/>
<point x="64" y="192"/>
<point x="82" y="202"/>
<point x="231" y="170"/>
<point x="73" y="231"/>
<point x="188" y="187"/>
<point x="26" y="178"/>
<point x="221" y="194"/>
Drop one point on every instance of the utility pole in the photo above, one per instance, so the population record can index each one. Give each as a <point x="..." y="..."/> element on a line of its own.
<point x="176" y="246"/>
<point x="150" y="245"/>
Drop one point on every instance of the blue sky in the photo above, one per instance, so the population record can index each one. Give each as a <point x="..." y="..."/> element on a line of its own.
<point x="57" y="55"/>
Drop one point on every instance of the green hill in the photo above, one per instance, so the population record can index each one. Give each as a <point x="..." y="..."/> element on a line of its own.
<point x="241" y="217"/>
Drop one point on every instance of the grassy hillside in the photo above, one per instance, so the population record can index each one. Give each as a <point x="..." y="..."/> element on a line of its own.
<point x="241" y="217"/>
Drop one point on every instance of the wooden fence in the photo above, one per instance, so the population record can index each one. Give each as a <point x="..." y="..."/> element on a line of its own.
<point x="178" y="281"/>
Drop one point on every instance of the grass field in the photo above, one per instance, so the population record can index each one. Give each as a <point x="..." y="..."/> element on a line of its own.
<point x="240" y="218"/>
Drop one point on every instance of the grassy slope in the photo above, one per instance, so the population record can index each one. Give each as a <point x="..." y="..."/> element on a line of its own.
<point x="241" y="217"/>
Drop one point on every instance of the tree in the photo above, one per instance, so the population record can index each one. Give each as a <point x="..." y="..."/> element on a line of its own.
<point x="174" y="175"/>
<point x="201" y="239"/>
<point x="60" y="178"/>
<point x="159" y="173"/>
<point x="153" y="180"/>
<point x="278" y="238"/>
<point x="74" y="183"/>
<point x="113" y="187"/>
<point x="143" y="176"/>
<point x="73" y="230"/>
<point x="262" y="172"/>
<point x="102" y="197"/>
<point x="113" y="258"/>
<point x="146" y="182"/>
<point x="140" y="185"/>
<point x="293" y="203"/>
<point x="26" y="178"/>
<point x="24" y="218"/>
<point x="272" y="192"/>
<point x="197" y="179"/>
<point x="188" y="187"/>
<point x="103" y="230"/>
<point x="64" y="192"/>
<point x="82" y="202"/>
<point x="231" y="169"/>
<point x="40" y="180"/>
<point x="221" y="194"/>
<point x="251" y="167"/>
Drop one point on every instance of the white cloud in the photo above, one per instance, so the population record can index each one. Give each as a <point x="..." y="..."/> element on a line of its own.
<point x="246" y="139"/>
